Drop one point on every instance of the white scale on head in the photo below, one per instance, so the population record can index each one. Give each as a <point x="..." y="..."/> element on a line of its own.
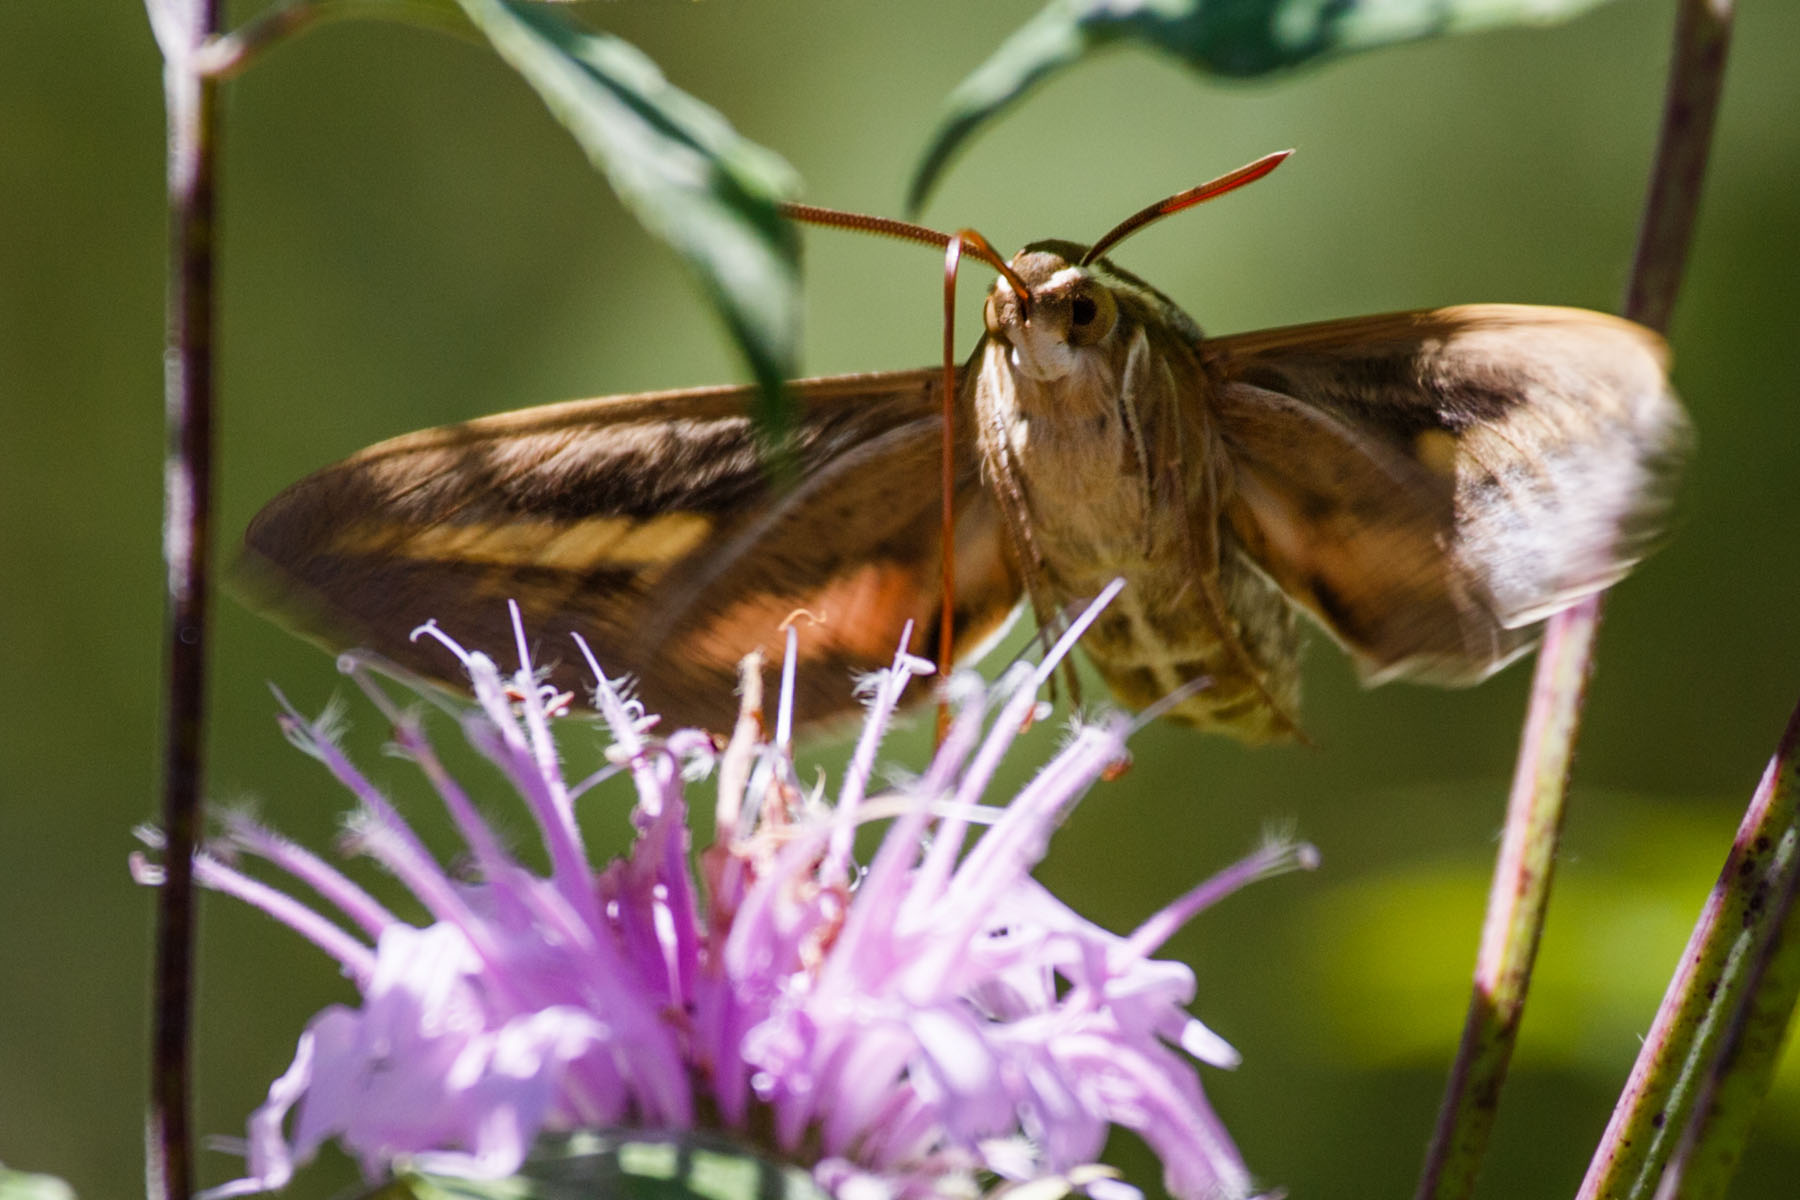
<point x="1042" y="351"/>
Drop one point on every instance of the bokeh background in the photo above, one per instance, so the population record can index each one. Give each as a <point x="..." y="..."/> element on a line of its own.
<point x="408" y="240"/>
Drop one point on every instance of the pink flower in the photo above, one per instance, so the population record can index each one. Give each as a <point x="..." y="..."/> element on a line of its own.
<point x="932" y="1021"/>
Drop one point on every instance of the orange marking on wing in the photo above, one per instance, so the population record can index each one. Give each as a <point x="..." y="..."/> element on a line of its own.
<point x="870" y="602"/>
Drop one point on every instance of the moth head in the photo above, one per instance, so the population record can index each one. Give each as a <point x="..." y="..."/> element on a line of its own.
<point x="1069" y="310"/>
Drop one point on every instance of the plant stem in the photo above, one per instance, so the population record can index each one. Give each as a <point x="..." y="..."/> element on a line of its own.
<point x="228" y="55"/>
<point x="1517" y="900"/>
<point x="182" y="26"/>
<point x="1744" y="959"/>
<point x="1519" y="895"/>
<point x="1690" y="1025"/>
<point x="1690" y="109"/>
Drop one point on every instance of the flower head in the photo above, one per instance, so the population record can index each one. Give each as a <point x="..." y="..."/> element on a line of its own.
<point x="906" y="1029"/>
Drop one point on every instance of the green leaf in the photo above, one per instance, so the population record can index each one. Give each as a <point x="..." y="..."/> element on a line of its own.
<point x="1224" y="37"/>
<point x="636" y="1166"/>
<point x="679" y="166"/>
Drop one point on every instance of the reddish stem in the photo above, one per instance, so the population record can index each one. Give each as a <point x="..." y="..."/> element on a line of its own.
<point x="182" y="28"/>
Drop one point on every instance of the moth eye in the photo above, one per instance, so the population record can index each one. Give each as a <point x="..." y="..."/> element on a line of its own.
<point x="1091" y="315"/>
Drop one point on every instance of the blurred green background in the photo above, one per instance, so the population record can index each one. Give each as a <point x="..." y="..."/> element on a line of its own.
<point x="408" y="239"/>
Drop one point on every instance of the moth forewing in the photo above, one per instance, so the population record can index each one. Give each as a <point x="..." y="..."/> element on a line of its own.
<point x="650" y="526"/>
<point x="1430" y="485"/>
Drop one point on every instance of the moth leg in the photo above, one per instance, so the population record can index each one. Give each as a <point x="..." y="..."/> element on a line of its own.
<point x="1048" y="631"/>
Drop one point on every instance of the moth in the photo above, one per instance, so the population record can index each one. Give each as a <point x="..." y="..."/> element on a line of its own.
<point x="1427" y="487"/>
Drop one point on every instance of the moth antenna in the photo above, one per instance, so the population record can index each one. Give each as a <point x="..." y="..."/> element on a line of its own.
<point x="1228" y="182"/>
<point x="908" y="231"/>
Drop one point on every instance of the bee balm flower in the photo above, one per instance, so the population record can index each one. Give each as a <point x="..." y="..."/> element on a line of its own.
<point x="922" y="1026"/>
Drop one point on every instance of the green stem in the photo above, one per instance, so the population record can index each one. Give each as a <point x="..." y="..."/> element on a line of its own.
<point x="1519" y="896"/>
<point x="1759" y="984"/>
<point x="1714" y="981"/>
<point x="1517" y="900"/>
<point x="182" y="26"/>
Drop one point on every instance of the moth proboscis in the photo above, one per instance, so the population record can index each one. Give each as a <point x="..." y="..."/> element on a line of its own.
<point x="1426" y="486"/>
